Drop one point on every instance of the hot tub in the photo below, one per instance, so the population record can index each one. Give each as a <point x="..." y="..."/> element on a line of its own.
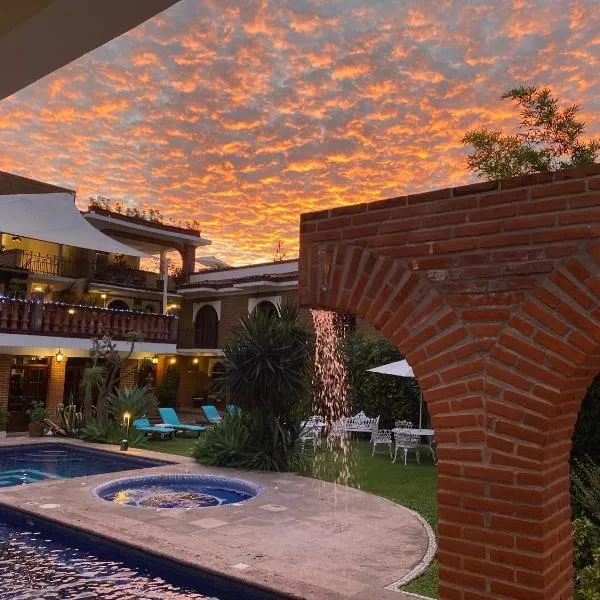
<point x="177" y="491"/>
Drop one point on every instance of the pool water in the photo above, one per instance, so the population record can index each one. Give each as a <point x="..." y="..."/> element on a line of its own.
<point x="32" y="463"/>
<point x="178" y="491"/>
<point x="42" y="560"/>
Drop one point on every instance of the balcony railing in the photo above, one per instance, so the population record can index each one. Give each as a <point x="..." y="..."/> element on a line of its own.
<point x="50" y="264"/>
<point x="136" y="278"/>
<point x="64" y="320"/>
<point x="45" y="264"/>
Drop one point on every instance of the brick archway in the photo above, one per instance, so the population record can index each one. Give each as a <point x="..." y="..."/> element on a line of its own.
<point x="492" y="292"/>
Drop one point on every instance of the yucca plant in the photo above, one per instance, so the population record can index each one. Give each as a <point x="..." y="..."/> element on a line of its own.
<point x="137" y="401"/>
<point x="266" y="371"/>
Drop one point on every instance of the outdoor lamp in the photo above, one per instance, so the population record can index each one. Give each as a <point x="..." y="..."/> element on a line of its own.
<point x="71" y="311"/>
<point x="103" y="296"/>
<point x="59" y="356"/>
<point x="196" y="361"/>
<point x="125" y="442"/>
<point x="172" y="360"/>
<point x="155" y="360"/>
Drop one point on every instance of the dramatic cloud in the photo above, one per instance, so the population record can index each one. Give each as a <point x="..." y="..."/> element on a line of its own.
<point x="244" y="114"/>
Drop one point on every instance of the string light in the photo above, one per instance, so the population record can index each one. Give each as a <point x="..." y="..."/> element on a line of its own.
<point x="85" y="306"/>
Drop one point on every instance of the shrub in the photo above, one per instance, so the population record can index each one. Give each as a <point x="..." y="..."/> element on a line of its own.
<point x="137" y="401"/>
<point x="37" y="412"/>
<point x="587" y="429"/>
<point x="586" y="559"/>
<point x="249" y="441"/>
<point x="586" y="488"/>
<point x="167" y="390"/>
<point x="107" y="431"/>
<point x="393" y="398"/>
<point x="224" y="444"/>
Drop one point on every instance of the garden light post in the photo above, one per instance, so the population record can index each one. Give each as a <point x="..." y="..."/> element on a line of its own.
<point x="125" y="442"/>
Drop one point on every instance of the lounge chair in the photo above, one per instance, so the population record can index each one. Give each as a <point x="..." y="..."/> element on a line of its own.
<point x="212" y="414"/>
<point x="233" y="409"/>
<point x="169" y="416"/>
<point x="144" y="424"/>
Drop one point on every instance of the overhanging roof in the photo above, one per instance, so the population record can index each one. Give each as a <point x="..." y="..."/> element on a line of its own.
<point x="55" y="218"/>
<point x="41" y="36"/>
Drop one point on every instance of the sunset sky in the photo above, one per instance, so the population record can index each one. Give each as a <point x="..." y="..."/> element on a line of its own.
<point x="243" y="114"/>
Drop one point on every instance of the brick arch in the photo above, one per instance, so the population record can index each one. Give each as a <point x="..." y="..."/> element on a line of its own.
<point x="491" y="291"/>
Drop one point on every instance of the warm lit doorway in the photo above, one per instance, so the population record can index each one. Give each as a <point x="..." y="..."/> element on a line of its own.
<point x="28" y="383"/>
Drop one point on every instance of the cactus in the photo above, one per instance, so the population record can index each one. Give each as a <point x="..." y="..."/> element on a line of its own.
<point x="69" y="417"/>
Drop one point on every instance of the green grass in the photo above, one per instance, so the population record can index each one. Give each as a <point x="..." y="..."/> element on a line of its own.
<point x="413" y="486"/>
<point x="180" y="445"/>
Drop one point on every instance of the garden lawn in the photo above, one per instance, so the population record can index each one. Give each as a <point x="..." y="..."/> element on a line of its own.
<point x="413" y="486"/>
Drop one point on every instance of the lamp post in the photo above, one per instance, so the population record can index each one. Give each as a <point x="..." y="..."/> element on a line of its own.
<point x="125" y="442"/>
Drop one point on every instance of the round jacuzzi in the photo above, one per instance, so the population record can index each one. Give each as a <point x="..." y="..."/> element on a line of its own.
<point x="177" y="491"/>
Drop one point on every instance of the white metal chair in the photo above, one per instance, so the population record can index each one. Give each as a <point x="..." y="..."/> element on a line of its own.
<point x="310" y="434"/>
<point x="381" y="436"/>
<point x="407" y="442"/>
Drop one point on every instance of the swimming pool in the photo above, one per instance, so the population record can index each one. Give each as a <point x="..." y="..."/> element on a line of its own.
<point x="32" y="463"/>
<point x="43" y="560"/>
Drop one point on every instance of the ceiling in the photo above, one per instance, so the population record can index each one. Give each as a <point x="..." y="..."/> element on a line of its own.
<point x="41" y="36"/>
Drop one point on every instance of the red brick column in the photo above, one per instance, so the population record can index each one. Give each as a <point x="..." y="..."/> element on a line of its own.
<point x="491" y="291"/>
<point x="5" y="368"/>
<point x="56" y="385"/>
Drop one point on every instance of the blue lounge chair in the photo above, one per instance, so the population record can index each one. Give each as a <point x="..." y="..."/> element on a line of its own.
<point x="212" y="414"/>
<point x="234" y="409"/>
<point x="144" y="424"/>
<point x="169" y="416"/>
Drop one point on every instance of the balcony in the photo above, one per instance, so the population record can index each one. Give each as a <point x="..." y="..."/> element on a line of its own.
<point x="50" y="264"/>
<point x="45" y="264"/>
<point x="134" y="278"/>
<point x="64" y="320"/>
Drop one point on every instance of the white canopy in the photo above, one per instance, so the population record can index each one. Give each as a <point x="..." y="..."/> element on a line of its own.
<point x="55" y="218"/>
<point x="399" y="368"/>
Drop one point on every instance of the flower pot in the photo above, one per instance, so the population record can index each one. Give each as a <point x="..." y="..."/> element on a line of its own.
<point x="36" y="429"/>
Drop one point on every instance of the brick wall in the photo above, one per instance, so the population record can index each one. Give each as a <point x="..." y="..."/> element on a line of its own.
<point x="56" y="385"/>
<point x="491" y="291"/>
<point x="128" y="374"/>
<point x="5" y="368"/>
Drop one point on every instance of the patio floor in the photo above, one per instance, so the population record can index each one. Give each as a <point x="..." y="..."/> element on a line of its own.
<point x="307" y="538"/>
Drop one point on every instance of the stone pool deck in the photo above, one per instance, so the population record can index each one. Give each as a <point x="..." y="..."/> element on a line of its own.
<point x="305" y="538"/>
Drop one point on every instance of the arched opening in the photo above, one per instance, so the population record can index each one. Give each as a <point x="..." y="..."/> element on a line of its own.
<point x="268" y="308"/>
<point x="502" y="330"/>
<point x="206" y="328"/>
<point x="118" y="305"/>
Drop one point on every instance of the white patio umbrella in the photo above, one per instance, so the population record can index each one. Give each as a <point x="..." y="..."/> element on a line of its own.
<point x="400" y="368"/>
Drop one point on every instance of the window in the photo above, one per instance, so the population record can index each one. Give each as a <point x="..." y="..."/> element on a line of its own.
<point x="268" y="308"/>
<point x="206" y="333"/>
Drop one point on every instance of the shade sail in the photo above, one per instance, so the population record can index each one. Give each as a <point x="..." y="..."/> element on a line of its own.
<point x="399" y="368"/>
<point x="55" y="218"/>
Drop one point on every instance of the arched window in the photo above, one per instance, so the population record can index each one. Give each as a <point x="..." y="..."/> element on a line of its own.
<point x="268" y="308"/>
<point x="206" y="328"/>
<point x="119" y="305"/>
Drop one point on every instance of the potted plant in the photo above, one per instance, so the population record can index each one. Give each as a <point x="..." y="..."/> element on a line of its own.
<point x="3" y="421"/>
<point x="37" y="414"/>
